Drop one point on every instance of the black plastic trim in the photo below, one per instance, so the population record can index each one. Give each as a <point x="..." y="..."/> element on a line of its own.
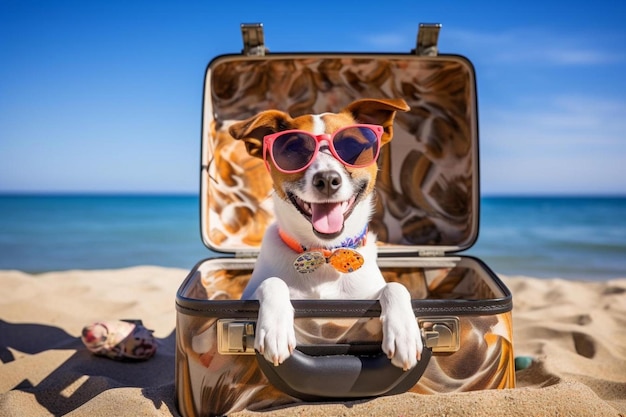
<point x="348" y="308"/>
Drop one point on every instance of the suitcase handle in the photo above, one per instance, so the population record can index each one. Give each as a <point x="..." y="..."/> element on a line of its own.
<point x="313" y="378"/>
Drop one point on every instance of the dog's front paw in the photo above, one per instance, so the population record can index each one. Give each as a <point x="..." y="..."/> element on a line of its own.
<point x="402" y="341"/>
<point x="275" y="336"/>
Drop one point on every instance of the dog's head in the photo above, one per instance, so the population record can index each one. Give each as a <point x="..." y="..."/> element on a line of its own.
<point x="326" y="196"/>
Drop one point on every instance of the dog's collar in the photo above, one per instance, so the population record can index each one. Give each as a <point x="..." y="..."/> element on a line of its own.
<point x="344" y="258"/>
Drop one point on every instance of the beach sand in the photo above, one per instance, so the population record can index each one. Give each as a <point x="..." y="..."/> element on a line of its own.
<point x="574" y="331"/>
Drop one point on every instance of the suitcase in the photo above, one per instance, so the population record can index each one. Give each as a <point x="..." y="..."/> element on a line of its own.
<point x="427" y="212"/>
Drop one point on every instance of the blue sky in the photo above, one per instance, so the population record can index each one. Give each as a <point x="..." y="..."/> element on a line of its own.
<point x="105" y="96"/>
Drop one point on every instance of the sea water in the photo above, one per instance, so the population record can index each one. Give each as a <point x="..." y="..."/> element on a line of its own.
<point x="59" y="232"/>
<point x="566" y="237"/>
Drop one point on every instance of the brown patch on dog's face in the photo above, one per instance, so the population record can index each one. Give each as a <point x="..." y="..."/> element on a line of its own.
<point x="367" y="111"/>
<point x="377" y="112"/>
<point x="334" y="122"/>
<point x="253" y="130"/>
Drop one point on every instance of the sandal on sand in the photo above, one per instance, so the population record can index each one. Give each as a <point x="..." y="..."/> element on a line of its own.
<point x="120" y="340"/>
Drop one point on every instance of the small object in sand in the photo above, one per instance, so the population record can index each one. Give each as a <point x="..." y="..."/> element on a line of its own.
<point x="120" y="339"/>
<point x="523" y="362"/>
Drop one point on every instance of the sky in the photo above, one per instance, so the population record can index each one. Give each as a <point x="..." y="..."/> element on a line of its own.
<point x="106" y="96"/>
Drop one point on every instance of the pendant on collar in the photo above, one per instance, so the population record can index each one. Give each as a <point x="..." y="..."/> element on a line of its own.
<point x="343" y="258"/>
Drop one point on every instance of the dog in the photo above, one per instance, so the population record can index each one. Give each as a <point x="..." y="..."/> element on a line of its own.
<point x="323" y="168"/>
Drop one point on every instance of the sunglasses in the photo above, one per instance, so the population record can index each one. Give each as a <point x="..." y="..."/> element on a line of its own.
<point x="293" y="151"/>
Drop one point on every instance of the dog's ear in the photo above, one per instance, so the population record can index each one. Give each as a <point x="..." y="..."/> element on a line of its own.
<point x="377" y="112"/>
<point x="252" y="130"/>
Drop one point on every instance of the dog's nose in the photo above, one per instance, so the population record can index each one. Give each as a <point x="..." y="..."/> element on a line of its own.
<point x="327" y="182"/>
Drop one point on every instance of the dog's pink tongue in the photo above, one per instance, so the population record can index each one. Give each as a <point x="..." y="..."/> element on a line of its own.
<point x="327" y="217"/>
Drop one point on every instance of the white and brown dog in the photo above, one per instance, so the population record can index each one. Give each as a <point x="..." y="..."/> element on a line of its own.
<point x="324" y="169"/>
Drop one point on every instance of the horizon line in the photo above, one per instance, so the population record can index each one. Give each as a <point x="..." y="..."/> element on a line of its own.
<point x="122" y="193"/>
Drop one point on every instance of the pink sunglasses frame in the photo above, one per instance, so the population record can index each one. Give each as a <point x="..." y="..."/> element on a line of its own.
<point x="268" y="142"/>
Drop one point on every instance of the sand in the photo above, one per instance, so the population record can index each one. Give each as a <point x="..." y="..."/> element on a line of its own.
<point x="574" y="332"/>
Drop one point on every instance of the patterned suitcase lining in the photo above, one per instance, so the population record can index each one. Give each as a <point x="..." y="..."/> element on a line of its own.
<point x="425" y="188"/>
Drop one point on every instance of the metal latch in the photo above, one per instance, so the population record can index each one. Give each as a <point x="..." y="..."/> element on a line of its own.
<point x="427" y="38"/>
<point x="235" y="337"/>
<point x="253" y="39"/>
<point x="441" y="334"/>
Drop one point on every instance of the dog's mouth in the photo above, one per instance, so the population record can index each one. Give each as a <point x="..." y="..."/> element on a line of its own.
<point x="327" y="218"/>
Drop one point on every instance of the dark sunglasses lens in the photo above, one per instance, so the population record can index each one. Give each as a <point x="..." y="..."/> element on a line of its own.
<point x="292" y="151"/>
<point x="356" y="146"/>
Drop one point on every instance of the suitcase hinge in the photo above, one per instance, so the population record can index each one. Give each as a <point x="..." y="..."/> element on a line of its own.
<point x="253" y="39"/>
<point x="441" y="334"/>
<point x="430" y="253"/>
<point x="246" y="255"/>
<point x="427" y="38"/>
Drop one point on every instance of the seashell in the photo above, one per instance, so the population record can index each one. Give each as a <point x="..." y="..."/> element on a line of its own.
<point x="120" y="340"/>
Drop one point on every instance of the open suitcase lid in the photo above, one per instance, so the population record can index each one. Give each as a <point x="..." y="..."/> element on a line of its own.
<point x="427" y="188"/>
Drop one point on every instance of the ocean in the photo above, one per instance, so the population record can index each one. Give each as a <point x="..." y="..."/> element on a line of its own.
<point x="565" y="237"/>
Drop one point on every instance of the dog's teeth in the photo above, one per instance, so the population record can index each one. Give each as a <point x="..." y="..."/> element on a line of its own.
<point x="303" y="204"/>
